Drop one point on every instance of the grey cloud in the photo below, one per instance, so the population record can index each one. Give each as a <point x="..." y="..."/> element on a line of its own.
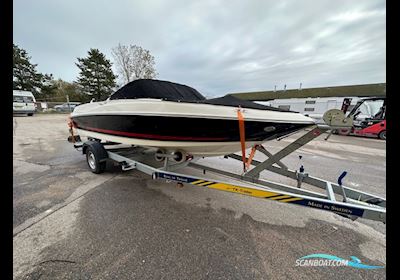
<point x="215" y="46"/>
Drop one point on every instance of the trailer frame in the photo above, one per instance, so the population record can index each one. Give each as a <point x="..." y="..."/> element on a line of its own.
<point x="336" y="198"/>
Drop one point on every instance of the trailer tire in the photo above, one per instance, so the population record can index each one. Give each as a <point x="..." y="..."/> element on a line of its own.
<point x="382" y="135"/>
<point x="96" y="157"/>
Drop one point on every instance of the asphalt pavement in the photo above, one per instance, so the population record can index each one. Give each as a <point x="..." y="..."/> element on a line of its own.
<point x="72" y="224"/>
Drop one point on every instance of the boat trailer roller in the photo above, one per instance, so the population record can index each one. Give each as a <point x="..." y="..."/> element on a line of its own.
<point x="335" y="197"/>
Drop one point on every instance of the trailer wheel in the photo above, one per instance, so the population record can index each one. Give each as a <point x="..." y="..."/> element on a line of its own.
<point x="96" y="157"/>
<point x="382" y="135"/>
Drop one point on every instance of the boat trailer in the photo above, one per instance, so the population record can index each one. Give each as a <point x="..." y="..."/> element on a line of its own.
<point x="336" y="197"/>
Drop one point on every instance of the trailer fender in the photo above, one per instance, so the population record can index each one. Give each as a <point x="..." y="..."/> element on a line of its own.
<point x="96" y="156"/>
<point x="97" y="147"/>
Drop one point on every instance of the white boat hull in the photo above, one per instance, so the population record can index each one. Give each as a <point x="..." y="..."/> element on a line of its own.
<point x="197" y="129"/>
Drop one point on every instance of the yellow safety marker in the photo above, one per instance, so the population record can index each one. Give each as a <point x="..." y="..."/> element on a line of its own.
<point x="196" y="182"/>
<point x="280" y="197"/>
<point x="246" y="191"/>
<point x="241" y="190"/>
<point x="204" y="183"/>
<point x="291" y="199"/>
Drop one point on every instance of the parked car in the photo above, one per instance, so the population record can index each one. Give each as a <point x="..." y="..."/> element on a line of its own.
<point x="66" y="107"/>
<point x="24" y="102"/>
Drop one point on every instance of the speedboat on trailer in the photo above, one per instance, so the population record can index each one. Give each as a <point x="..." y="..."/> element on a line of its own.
<point x="176" y="118"/>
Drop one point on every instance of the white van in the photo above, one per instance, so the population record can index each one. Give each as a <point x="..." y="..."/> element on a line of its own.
<point x="24" y="102"/>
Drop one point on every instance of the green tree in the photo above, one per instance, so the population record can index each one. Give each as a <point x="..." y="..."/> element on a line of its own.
<point x="48" y="88"/>
<point x="96" y="77"/>
<point x="25" y="75"/>
<point x="72" y="90"/>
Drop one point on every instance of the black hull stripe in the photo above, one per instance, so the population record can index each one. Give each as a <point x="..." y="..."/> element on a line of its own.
<point x="182" y="129"/>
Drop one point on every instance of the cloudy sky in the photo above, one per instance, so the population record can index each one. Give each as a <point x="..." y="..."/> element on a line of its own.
<point x="217" y="47"/>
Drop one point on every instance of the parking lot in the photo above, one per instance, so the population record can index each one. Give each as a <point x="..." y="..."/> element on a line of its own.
<point x="72" y="224"/>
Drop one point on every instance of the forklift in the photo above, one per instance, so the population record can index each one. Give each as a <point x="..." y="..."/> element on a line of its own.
<point x="373" y="125"/>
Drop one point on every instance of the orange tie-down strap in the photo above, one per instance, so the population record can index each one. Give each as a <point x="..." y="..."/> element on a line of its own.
<point x="251" y="156"/>
<point x="242" y="137"/>
<point x="71" y="128"/>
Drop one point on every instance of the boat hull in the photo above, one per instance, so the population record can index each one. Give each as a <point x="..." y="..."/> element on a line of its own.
<point x="196" y="136"/>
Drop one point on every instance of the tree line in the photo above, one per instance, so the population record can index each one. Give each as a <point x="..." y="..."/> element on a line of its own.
<point x="95" y="80"/>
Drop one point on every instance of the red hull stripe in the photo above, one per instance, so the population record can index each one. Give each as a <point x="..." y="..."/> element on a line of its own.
<point x="149" y="136"/>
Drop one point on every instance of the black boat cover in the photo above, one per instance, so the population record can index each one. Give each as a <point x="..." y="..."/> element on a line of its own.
<point x="148" y="88"/>
<point x="229" y="100"/>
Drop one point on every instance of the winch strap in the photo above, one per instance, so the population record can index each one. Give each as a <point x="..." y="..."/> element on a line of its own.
<point x="242" y="137"/>
<point x="251" y="156"/>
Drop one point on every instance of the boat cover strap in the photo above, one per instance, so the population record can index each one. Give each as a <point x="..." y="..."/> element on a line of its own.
<point x="242" y="137"/>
